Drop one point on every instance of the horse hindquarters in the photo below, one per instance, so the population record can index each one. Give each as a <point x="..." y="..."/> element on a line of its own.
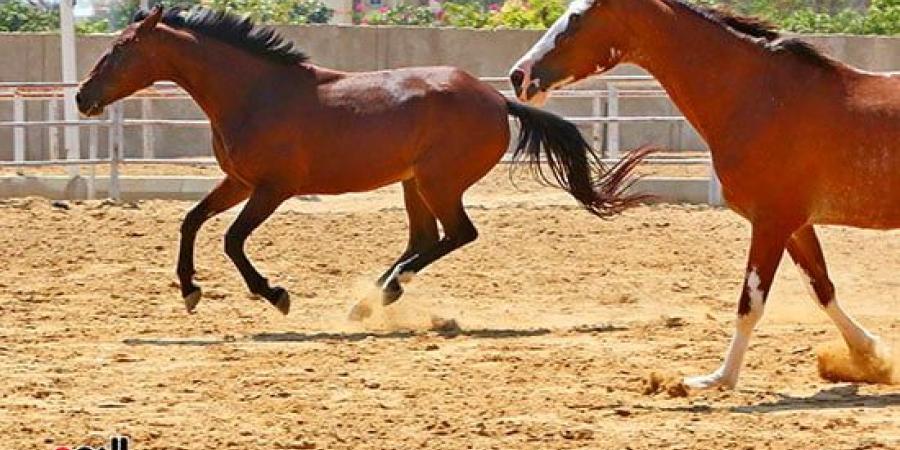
<point x="471" y="142"/>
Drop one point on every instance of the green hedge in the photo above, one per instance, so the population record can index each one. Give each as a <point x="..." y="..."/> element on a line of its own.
<point x="881" y="17"/>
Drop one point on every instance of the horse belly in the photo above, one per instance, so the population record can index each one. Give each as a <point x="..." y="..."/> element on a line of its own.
<point x="865" y="193"/>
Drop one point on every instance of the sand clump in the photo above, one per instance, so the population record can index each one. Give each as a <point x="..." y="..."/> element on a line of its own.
<point x="670" y="383"/>
<point x="837" y="363"/>
<point x="404" y="315"/>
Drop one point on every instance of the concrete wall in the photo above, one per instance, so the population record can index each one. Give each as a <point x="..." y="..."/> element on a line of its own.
<point x="35" y="57"/>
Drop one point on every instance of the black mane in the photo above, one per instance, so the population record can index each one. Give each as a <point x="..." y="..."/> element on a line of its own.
<point x="238" y="31"/>
<point x="762" y="31"/>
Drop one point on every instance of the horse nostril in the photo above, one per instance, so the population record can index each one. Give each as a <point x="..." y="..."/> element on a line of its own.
<point x="78" y="98"/>
<point x="517" y="77"/>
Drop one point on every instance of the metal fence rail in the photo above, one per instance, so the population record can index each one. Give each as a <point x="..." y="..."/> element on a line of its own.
<point x="114" y="124"/>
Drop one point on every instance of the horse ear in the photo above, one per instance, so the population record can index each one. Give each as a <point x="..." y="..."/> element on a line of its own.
<point x="151" y="20"/>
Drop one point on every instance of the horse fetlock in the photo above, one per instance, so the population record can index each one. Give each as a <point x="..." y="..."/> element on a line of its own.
<point x="406" y="277"/>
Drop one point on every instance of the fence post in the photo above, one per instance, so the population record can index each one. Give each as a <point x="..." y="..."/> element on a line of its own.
<point x="93" y="142"/>
<point x="612" y="128"/>
<point x="714" y="196"/>
<point x="69" y="65"/>
<point x="596" y="127"/>
<point x="148" y="139"/>
<point x="18" y="132"/>
<point x="116" y="150"/>
<point x="53" y="132"/>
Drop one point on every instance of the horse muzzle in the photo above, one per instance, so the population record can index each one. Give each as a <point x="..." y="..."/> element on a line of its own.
<point x="527" y="90"/>
<point x="86" y="106"/>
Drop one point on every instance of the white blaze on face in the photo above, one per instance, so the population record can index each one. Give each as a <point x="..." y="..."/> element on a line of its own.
<point x="546" y="43"/>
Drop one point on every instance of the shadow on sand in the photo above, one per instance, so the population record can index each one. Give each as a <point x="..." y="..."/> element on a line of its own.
<point x="328" y="336"/>
<point x="837" y="397"/>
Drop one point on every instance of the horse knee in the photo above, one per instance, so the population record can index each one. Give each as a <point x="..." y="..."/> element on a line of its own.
<point x="192" y="221"/>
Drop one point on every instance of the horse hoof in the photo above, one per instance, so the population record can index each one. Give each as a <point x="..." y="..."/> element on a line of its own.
<point x="191" y="300"/>
<point x="711" y="381"/>
<point x="282" y="301"/>
<point x="391" y="294"/>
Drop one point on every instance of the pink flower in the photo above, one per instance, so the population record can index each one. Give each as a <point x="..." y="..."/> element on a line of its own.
<point x="383" y="9"/>
<point x="359" y="7"/>
<point x="494" y="7"/>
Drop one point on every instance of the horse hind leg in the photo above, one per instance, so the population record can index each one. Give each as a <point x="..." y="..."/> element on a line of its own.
<point x="423" y="234"/>
<point x="446" y="205"/>
<point x="867" y="351"/>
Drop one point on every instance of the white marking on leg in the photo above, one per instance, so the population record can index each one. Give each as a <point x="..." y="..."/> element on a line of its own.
<point x="727" y="373"/>
<point x="858" y="339"/>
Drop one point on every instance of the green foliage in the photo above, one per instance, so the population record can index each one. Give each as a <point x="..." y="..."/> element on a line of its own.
<point x="276" y="11"/>
<point x="402" y="15"/>
<point x="466" y="14"/>
<point x="533" y="14"/>
<point x="262" y="11"/>
<point x="800" y="16"/>
<point x="16" y="15"/>
<point x="311" y="11"/>
<point x="122" y="11"/>
<point x="92" y="25"/>
<point x="835" y="16"/>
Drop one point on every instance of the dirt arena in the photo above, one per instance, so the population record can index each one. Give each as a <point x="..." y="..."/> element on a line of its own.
<point x="563" y="317"/>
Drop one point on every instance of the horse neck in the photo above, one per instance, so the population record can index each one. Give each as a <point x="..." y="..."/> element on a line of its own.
<point x="706" y="69"/>
<point x="216" y="75"/>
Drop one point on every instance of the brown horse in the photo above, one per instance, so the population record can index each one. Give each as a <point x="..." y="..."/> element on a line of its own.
<point x="797" y="138"/>
<point x="283" y="127"/>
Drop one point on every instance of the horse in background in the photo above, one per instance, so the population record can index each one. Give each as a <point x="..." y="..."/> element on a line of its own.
<point x="797" y="138"/>
<point x="283" y="127"/>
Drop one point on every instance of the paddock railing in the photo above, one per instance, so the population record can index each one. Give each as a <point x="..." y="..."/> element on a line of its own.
<point x="114" y="122"/>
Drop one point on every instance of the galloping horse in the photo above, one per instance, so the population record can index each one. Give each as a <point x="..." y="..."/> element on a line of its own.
<point x="282" y="127"/>
<point x="797" y="138"/>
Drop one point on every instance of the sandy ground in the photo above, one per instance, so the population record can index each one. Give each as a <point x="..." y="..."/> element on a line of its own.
<point x="563" y="317"/>
<point x="666" y="170"/>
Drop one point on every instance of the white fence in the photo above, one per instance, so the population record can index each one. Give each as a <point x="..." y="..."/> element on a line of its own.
<point x="617" y="88"/>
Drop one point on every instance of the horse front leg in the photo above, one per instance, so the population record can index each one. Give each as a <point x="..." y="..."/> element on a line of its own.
<point x="263" y="202"/>
<point x="228" y="193"/>
<point x="766" y="249"/>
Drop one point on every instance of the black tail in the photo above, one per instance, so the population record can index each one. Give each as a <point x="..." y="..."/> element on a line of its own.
<point x="547" y="141"/>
